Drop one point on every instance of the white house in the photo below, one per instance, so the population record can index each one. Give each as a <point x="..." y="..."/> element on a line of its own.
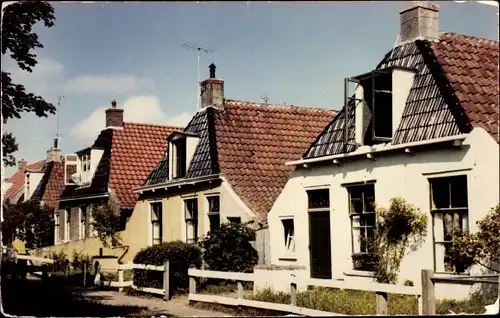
<point x="423" y="126"/>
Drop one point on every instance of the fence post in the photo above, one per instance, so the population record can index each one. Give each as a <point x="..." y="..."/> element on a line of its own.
<point x="293" y="294"/>
<point x="428" y="296"/>
<point x="192" y="283"/>
<point x="240" y="289"/>
<point x="120" y="278"/>
<point x="97" y="271"/>
<point x="381" y="303"/>
<point x="166" y="280"/>
<point x="66" y="269"/>
<point x="84" y="273"/>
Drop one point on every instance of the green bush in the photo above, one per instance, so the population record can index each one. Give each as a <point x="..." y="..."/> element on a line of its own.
<point x="60" y="260"/>
<point x="228" y="248"/>
<point x="180" y="255"/>
<point x="79" y="259"/>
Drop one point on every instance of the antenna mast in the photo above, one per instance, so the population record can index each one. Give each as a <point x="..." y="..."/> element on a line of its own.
<point x="200" y="50"/>
<point x="57" y="115"/>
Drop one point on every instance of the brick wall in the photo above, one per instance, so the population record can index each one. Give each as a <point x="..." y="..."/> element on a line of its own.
<point x="75" y="224"/>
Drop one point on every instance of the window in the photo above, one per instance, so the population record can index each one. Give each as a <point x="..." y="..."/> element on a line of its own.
<point x="363" y="223"/>
<point x="214" y="212"/>
<point x="191" y="219"/>
<point x="318" y="199"/>
<point x="156" y="222"/>
<point x="83" y="223"/>
<point x="56" y="228"/>
<point x="84" y="163"/>
<point x="67" y="227"/>
<point x="377" y="89"/>
<point x="234" y="220"/>
<point x="449" y="209"/>
<point x="289" y="232"/>
<point x="180" y="157"/>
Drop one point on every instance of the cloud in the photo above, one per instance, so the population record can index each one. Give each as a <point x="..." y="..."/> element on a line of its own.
<point x="37" y="81"/>
<point x="141" y="109"/>
<point x="107" y="84"/>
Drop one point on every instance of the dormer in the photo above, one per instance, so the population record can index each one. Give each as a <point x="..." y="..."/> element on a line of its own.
<point x="181" y="147"/>
<point x="87" y="162"/>
<point x="31" y="180"/>
<point x="70" y="168"/>
<point x="379" y="100"/>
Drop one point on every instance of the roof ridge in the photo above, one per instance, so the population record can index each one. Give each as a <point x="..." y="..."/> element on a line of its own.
<point x="264" y="105"/>
<point x="468" y="36"/>
<point x="152" y="125"/>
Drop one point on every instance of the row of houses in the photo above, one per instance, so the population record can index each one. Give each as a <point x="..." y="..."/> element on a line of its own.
<point x="423" y="125"/>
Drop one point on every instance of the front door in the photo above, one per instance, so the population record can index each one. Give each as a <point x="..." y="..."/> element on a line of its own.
<point x="319" y="245"/>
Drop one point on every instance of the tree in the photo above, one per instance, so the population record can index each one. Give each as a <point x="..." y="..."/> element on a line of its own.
<point x="19" y="41"/>
<point x="482" y="247"/>
<point x="228" y="248"/>
<point x="400" y="228"/>
<point x="107" y="222"/>
<point x="30" y="222"/>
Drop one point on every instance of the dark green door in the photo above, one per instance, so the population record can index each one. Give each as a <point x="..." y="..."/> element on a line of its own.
<point x="319" y="245"/>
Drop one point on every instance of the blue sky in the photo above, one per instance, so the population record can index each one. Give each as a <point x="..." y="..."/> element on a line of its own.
<point x="294" y="53"/>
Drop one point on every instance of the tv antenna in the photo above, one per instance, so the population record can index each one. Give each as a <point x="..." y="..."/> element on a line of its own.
<point x="57" y="115"/>
<point x="200" y="49"/>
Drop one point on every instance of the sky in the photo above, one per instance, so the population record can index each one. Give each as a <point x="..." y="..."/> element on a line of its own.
<point x="296" y="53"/>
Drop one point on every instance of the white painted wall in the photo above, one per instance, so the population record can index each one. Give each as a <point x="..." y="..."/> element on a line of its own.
<point x="396" y="175"/>
<point x="95" y="158"/>
<point x="31" y="181"/>
<point x="402" y="81"/>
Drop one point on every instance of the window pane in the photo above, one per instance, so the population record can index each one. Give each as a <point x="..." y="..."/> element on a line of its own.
<point x="355" y="240"/>
<point x="368" y="219"/>
<point x="382" y="116"/>
<point x="440" y="193"/>
<point x="356" y="206"/>
<point x="318" y="198"/>
<point x="356" y="192"/>
<point x="235" y="220"/>
<point x="448" y="227"/>
<point x="458" y="192"/>
<point x="369" y="204"/>
<point x="214" y="222"/>
<point x="156" y="230"/>
<point x="213" y="204"/>
<point x="288" y="230"/>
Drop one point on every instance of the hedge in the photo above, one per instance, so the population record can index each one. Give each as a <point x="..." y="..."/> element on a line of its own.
<point x="180" y="256"/>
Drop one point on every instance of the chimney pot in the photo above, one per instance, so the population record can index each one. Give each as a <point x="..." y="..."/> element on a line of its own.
<point x="56" y="143"/>
<point x="114" y="116"/>
<point x="21" y="164"/>
<point x="212" y="70"/>
<point x="419" y="21"/>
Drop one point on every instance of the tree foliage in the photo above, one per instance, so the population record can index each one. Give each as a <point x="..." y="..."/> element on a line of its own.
<point x="107" y="222"/>
<point x="400" y="228"/>
<point x="228" y="248"/>
<point x="482" y="247"/>
<point x="30" y="222"/>
<point x="19" y="42"/>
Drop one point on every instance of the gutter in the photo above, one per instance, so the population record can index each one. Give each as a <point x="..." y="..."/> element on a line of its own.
<point x="82" y="197"/>
<point x="370" y="151"/>
<point x="177" y="183"/>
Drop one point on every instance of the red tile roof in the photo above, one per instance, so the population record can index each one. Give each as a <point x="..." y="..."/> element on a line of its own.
<point x="471" y="66"/>
<point x="17" y="178"/>
<point x="55" y="185"/>
<point x="255" y="140"/>
<point x="136" y="149"/>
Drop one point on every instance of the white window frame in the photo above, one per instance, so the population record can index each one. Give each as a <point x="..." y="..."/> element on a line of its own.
<point x="355" y="224"/>
<point x="67" y="224"/>
<point x="83" y="224"/>
<point x="211" y="214"/>
<point x="193" y="222"/>
<point x="150" y="232"/>
<point x="438" y="220"/>
<point x="56" y="228"/>
<point x="289" y="243"/>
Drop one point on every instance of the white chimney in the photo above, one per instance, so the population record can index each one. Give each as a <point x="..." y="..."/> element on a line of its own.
<point x="419" y="21"/>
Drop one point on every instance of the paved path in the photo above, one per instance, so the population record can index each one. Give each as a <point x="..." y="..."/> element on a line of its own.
<point x="177" y="306"/>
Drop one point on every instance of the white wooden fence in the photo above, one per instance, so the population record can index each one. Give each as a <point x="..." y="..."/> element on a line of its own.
<point x="381" y="291"/>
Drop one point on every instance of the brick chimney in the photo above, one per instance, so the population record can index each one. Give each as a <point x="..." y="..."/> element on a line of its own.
<point x="212" y="90"/>
<point x="114" y="116"/>
<point x="21" y="164"/>
<point x="54" y="153"/>
<point x="419" y="21"/>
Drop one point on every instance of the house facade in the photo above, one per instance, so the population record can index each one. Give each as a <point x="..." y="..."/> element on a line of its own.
<point x="14" y="187"/>
<point x="422" y="126"/>
<point x="120" y="159"/>
<point x="226" y="166"/>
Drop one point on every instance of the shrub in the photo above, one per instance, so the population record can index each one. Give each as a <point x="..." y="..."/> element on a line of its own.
<point x="79" y="259"/>
<point x="228" y="248"/>
<point x="60" y="260"/>
<point x="180" y="255"/>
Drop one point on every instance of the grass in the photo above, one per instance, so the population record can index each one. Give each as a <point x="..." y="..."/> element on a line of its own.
<point x="32" y="298"/>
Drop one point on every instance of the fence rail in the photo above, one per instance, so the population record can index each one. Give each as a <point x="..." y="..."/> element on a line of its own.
<point x="381" y="291"/>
